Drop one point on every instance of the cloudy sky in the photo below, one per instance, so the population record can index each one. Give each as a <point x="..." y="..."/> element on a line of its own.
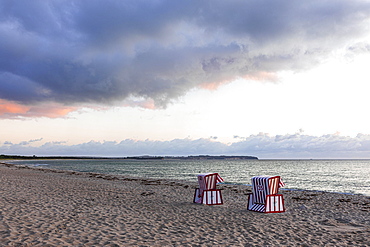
<point x="270" y="78"/>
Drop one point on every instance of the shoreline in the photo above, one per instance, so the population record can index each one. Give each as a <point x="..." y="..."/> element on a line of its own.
<point x="42" y="166"/>
<point x="41" y="206"/>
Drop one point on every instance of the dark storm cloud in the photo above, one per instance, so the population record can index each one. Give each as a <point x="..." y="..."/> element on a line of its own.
<point x="106" y="51"/>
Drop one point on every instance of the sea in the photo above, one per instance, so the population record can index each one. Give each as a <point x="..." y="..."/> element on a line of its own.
<point x="341" y="176"/>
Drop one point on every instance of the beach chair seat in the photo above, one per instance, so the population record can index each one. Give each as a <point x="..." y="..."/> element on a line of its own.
<point x="264" y="197"/>
<point x="207" y="193"/>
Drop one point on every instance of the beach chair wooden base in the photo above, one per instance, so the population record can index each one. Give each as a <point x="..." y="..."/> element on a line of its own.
<point x="273" y="204"/>
<point x="208" y="197"/>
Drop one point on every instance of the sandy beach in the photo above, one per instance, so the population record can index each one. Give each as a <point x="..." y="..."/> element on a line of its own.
<point x="41" y="207"/>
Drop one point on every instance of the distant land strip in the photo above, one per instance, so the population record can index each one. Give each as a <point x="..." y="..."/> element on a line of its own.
<point x="144" y="157"/>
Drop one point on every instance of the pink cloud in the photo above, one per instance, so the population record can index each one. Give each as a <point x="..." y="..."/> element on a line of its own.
<point x="214" y="85"/>
<point x="256" y="76"/>
<point x="262" y="76"/>
<point x="10" y="109"/>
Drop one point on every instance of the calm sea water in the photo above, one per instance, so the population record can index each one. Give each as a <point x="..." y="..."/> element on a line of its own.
<point x="344" y="176"/>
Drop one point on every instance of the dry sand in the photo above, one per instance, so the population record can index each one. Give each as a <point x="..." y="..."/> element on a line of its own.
<point x="41" y="207"/>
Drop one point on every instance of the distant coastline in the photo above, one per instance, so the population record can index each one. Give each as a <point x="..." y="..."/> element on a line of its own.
<point x="143" y="157"/>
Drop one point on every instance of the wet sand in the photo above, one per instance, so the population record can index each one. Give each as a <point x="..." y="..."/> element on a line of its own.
<point x="42" y="207"/>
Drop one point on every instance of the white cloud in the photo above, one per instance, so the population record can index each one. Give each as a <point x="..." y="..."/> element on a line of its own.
<point x="264" y="146"/>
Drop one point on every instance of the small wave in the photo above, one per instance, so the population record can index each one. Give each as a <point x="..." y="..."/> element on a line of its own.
<point x="36" y="165"/>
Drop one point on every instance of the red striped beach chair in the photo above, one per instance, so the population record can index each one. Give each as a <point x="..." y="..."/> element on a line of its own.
<point x="207" y="192"/>
<point x="264" y="197"/>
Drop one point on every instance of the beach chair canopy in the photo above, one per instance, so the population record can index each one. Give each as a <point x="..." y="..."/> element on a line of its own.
<point x="208" y="181"/>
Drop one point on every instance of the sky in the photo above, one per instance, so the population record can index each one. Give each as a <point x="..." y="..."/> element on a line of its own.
<point x="268" y="78"/>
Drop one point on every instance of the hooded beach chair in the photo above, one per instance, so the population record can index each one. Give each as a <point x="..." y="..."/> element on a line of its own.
<point x="207" y="192"/>
<point x="264" y="197"/>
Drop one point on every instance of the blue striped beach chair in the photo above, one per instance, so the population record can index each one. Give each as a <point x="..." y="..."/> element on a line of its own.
<point x="264" y="197"/>
<point x="207" y="192"/>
